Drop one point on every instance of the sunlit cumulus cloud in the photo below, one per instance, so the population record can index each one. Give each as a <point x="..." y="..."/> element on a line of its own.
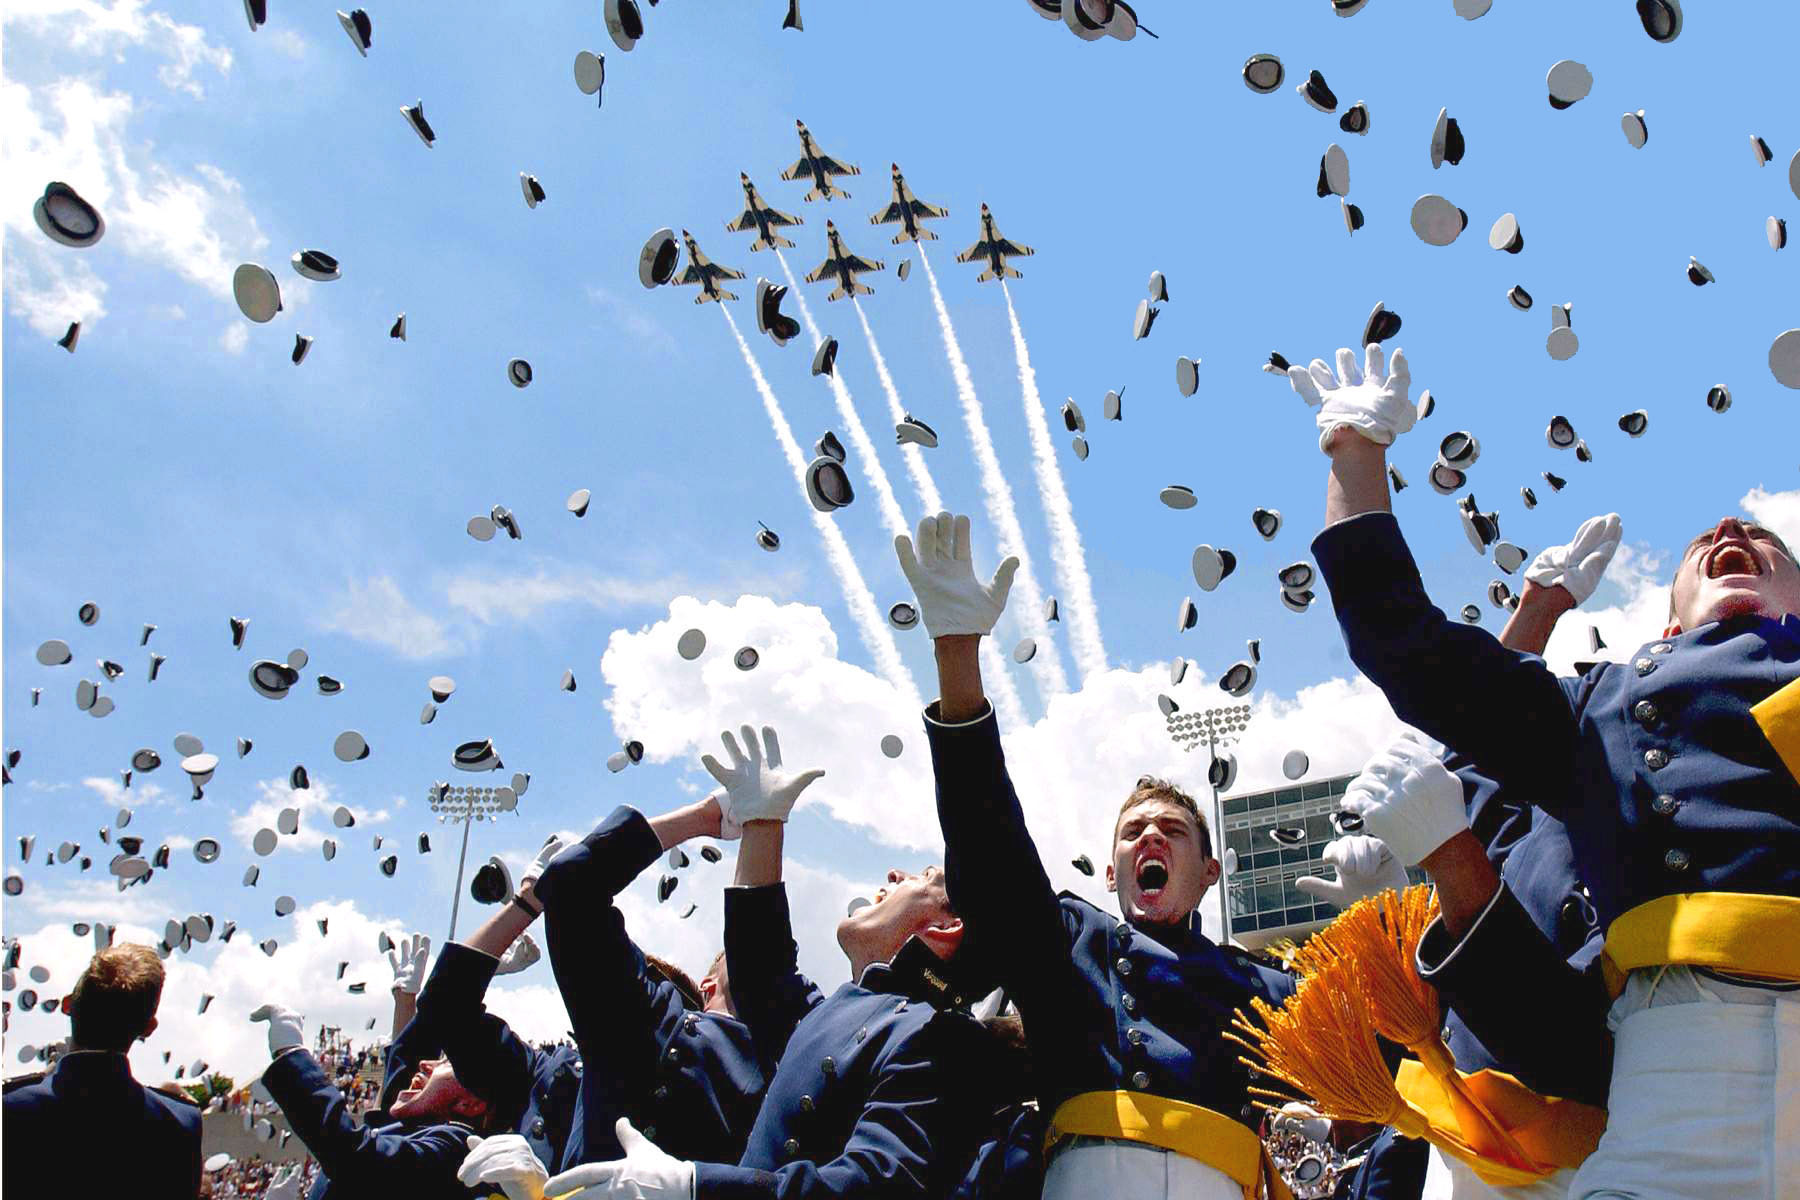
<point x="316" y="803"/>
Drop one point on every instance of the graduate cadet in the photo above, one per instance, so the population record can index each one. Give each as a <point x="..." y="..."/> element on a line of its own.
<point x="86" y="1118"/>
<point x="1123" y="1015"/>
<point x="1530" y="850"/>
<point x="1674" y="773"/>
<point x="879" y="1091"/>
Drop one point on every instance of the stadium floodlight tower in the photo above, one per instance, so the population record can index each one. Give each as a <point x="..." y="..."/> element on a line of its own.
<point x="1216" y="728"/>
<point x="465" y="806"/>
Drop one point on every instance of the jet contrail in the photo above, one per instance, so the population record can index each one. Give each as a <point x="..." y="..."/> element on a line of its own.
<point x="998" y="494"/>
<point x="885" y="503"/>
<point x="857" y="597"/>
<point x="1007" y="704"/>
<point x="1065" y="536"/>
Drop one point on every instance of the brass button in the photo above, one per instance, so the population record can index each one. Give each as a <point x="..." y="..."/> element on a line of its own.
<point x="1140" y="1080"/>
<point x="1129" y="1001"/>
<point x="1645" y="712"/>
<point x="828" y="1065"/>
<point x="862" y="1033"/>
<point x="1123" y="965"/>
<point x="1661" y="648"/>
<point x="1677" y="860"/>
<point x="791" y="1148"/>
<point x="1135" y="1036"/>
<point x="806" y="1104"/>
<point x="650" y="1132"/>
<point x="1665" y="804"/>
<point x="1644" y="666"/>
<point x="673" y="1056"/>
<point x="1656" y="758"/>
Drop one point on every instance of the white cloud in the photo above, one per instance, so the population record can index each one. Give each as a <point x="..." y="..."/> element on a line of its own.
<point x="197" y="225"/>
<point x="112" y="790"/>
<point x="234" y="338"/>
<point x="625" y="317"/>
<point x="95" y="28"/>
<point x="316" y="804"/>
<point x="1779" y="511"/>
<point x="377" y="612"/>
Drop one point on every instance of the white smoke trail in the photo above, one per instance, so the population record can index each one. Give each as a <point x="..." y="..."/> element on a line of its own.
<point x="997" y="676"/>
<point x="1000" y="508"/>
<point x="857" y="597"/>
<point x="885" y="503"/>
<point x="1065" y="536"/>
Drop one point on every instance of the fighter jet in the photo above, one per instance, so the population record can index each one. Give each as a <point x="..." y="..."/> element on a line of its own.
<point x="819" y="167"/>
<point x="763" y="219"/>
<point x="909" y="210"/>
<point x="993" y="250"/>
<point x="706" y="273"/>
<point x="843" y="267"/>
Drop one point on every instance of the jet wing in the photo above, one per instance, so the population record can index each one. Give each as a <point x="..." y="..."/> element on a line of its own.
<point x="978" y="250"/>
<point x="926" y="211"/>
<point x="858" y="265"/>
<point x="831" y="166"/>
<point x="821" y="271"/>
<point x="701" y="268"/>
<point x="743" y="224"/>
<point x="887" y="216"/>
<point x="1011" y="249"/>
<point x="802" y="169"/>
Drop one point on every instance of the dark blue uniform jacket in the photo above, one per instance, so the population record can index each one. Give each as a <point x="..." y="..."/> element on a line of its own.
<point x="87" y="1120"/>
<point x="879" y="1092"/>
<point x="690" y="1081"/>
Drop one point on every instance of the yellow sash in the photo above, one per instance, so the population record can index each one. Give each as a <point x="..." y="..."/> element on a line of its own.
<point x="1199" y="1133"/>
<point x="1742" y="932"/>
<point x="1554" y="1132"/>
<point x="1779" y="716"/>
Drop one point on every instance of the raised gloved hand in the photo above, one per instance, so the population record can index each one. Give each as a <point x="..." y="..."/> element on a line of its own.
<point x="1371" y="401"/>
<point x="1365" y="867"/>
<point x="285" y="1184"/>
<point x="521" y="954"/>
<point x="553" y="846"/>
<point x="1408" y="799"/>
<point x="756" y="788"/>
<point x="645" y="1173"/>
<point x="1579" y="565"/>
<point x="287" y="1028"/>
<point x="408" y="959"/>
<point x="951" y="600"/>
<point x="1304" y="1120"/>
<point x="505" y="1162"/>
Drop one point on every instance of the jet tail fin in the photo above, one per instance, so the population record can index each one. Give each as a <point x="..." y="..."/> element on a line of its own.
<point x="770" y="243"/>
<point x="986" y="277"/>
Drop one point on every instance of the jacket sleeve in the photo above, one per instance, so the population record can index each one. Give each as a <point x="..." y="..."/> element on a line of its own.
<point x="912" y="1140"/>
<point x="1501" y="709"/>
<point x="1542" y="1017"/>
<point x="995" y="877"/>
<point x="355" y="1157"/>
<point x="490" y="1060"/>
<point x="762" y="962"/>
<point x="423" y="1036"/>
<point x="612" y="1003"/>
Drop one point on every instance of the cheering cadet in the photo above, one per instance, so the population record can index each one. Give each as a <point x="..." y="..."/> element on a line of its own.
<point x="1675" y="776"/>
<point x="87" y="1113"/>
<point x="879" y="1091"/>
<point x="1530" y="850"/>
<point x="1123" y="1016"/>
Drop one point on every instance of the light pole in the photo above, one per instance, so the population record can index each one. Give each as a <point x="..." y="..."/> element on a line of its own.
<point x="464" y="806"/>
<point x="1215" y="728"/>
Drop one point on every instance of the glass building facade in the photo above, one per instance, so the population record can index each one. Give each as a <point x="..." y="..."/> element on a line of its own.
<point x="1265" y="903"/>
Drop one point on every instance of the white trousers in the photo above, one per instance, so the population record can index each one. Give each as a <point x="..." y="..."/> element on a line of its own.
<point x="1087" y="1168"/>
<point x="1450" y="1178"/>
<point x="1705" y="1097"/>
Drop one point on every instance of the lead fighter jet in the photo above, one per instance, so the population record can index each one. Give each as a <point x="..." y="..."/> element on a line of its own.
<point x="706" y="273"/>
<point x="994" y="250"/>
<point x="819" y="167"/>
<point x="909" y="210"/>
<point x="763" y="219"/>
<point x="844" y="268"/>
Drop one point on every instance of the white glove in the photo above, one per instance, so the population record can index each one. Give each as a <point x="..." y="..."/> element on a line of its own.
<point x="521" y="954"/>
<point x="645" y="1173"/>
<point x="951" y="599"/>
<point x="284" y="1184"/>
<point x="1408" y="799"/>
<point x="505" y="1162"/>
<point x="408" y="959"/>
<point x="287" y="1028"/>
<point x="1579" y="565"/>
<point x="1365" y="867"/>
<point x="1371" y="401"/>
<point x="1304" y="1120"/>
<point x="756" y="788"/>
<point x="552" y="847"/>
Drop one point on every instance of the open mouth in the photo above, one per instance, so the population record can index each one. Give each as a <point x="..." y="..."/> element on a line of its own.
<point x="1732" y="558"/>
<point x="1152" y="875"/>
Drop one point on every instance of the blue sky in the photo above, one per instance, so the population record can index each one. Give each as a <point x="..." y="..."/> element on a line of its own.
<point x="179" y="470"/>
